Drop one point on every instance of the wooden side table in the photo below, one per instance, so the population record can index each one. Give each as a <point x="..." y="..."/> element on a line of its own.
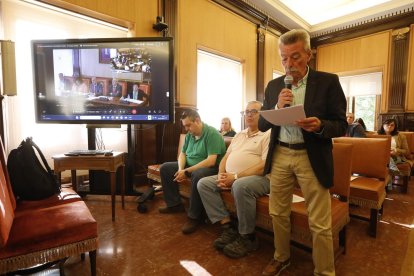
<point x="96" y="162"/>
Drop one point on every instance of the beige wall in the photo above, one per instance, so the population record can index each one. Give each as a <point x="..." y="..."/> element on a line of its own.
<point x="409" y="103"/>
<point x="359" y="55"/>
<point x="140" y="13"/>
<point x="272" y="58"/>
<point x="203" y="24"/>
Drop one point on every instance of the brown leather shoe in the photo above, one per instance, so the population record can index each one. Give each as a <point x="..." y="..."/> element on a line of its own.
<point x="274" y="267"/>
<point x="190" y="226"/>
<point x="171" y="210"/>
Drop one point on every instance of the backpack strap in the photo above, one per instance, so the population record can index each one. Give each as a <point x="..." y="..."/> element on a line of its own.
<point x="29" y="140"/>
<point x="33" y="144"/>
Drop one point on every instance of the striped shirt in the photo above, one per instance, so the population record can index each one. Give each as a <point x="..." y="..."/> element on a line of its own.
<point x="293" y="134"/>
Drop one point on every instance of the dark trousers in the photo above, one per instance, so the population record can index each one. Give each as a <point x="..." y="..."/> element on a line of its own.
<point x="171" y="188"/>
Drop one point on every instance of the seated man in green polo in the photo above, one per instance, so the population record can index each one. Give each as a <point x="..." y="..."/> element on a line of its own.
<point x="200" y="156"/>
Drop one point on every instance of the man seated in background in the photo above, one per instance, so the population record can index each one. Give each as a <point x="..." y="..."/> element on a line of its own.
<point x="240" y="170"/>
<point x="95" y="88"/>
<point x="354" y="129"/>
<point x="137" y="94"/>
<point x="201" y="153"/>
<point x="115" y="89"/>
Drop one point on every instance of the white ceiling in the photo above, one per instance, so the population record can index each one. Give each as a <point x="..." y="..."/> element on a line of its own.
<point x="318" y="16"/>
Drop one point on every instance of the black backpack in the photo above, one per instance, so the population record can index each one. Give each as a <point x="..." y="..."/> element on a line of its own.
<point x="29" y="179"/>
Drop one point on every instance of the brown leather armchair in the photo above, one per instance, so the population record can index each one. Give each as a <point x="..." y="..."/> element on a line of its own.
<point x="370" y="162"/>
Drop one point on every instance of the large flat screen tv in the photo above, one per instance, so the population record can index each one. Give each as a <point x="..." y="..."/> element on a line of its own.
<point x="104" y="81"/>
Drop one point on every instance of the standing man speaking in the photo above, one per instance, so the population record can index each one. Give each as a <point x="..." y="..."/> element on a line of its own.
<point x="302" y="153"/>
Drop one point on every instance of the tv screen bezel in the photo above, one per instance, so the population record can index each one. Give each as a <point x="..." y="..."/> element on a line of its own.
<point x="171" y="101"/>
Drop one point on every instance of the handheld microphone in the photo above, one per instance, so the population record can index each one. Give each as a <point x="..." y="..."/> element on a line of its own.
<point x="288" y="84"/>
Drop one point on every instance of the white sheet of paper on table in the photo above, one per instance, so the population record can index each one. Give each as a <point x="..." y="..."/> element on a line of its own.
<point x="284" y="116"/>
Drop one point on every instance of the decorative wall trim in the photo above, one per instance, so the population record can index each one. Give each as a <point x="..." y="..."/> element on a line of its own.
<point x="391" y="21"/>
<point x="399" y="62"/>
<point x="248" y="11"/>
<point x="260" y="75"/>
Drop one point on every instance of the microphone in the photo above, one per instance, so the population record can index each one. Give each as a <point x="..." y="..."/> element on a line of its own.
<point x="288" y="84"/>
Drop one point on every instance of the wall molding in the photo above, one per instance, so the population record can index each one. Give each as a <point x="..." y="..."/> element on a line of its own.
<point x="254" y="15"/>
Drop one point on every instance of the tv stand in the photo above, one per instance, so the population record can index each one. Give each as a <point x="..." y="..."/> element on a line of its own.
<point x="129" y="172"/>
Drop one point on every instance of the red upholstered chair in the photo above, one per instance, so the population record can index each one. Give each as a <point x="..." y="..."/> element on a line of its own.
<point x="50" y="230"/>
<point x="145" y="87"/>
<point x="106" y="82"/>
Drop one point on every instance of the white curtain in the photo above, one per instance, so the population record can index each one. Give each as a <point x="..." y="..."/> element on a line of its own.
<point x="362" y="85"/>
<point x="23" y="22"/>
<point x="219" y="89"/>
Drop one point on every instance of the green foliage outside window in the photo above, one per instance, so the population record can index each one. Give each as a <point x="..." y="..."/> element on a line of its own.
<point x="365" y="109"/>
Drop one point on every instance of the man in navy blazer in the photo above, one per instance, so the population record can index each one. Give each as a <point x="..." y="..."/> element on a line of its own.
<point x="302" y="153"/>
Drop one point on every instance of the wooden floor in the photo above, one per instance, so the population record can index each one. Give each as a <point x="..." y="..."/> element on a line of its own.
<point x="152" y="244"/>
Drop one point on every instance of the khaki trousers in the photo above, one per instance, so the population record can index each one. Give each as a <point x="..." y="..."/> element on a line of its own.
<point x="288" y="168"/>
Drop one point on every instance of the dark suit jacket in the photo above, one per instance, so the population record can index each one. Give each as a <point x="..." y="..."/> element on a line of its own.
<point x="324" y="99"/>
<point x="141" y="95"/>
<point x="355" y="130"/>
<point x="115" y="91"/>
<point x="96" y="88"/>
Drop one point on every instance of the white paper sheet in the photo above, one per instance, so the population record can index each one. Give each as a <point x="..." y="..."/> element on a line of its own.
<point x="297" y="198"/>
<point x="284" y="116"/>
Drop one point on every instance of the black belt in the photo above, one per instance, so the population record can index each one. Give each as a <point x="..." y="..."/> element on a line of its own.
<point x="299" y="146"/>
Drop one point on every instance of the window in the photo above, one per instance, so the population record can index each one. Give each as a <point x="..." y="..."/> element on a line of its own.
<point x="276" y="74"/>
<point x="22" y="23"/>
<point x="219" y="89"/>
<point x="363" y="96"/>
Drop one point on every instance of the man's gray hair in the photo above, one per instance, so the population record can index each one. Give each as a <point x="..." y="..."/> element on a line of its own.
<point x="255" y="102"/>
<point x="294" y="36"/>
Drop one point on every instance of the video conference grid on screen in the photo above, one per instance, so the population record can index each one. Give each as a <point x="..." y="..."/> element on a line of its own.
<point x="103" y="80"/>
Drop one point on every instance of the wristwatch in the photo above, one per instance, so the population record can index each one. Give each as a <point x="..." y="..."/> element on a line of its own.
<point x="187" y="173"/>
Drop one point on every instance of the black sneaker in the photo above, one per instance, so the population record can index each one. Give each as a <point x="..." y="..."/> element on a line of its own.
<point x="227" y="236"/>
<point x="241" y="246"/>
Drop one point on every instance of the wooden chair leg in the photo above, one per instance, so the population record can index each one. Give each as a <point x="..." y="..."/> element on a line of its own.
<point x="92" y="259"/>
<point x="61" y="268"/>
<point x="342" y="239"/>
<point x="373" y="221"/>
<point x="405" y="184"/>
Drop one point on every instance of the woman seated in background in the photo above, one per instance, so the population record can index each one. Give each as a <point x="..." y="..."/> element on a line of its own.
<point x="355" y="129"/>
<point x="79" y="86"/>
<point x="226" y="129"/>
<point x="361" y="122"/>
<point x="399" y="145"/>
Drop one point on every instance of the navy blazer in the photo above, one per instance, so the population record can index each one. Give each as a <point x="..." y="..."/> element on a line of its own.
<point x="324" y="99"/>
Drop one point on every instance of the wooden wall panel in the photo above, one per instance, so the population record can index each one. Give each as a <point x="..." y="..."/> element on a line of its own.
<point x="372" y="51"/>
<point x="272" y="58"/>
<point x="409" y="103"/>
<point x="203" y="24"/>
<point x="139" y="15"/>
<point x="355" y="54"/>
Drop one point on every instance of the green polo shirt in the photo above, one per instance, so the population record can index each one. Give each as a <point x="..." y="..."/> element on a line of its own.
<point x="210" y="142"/>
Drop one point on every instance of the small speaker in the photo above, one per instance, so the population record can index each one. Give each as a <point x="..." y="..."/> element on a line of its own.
<point x="8" y="68"/>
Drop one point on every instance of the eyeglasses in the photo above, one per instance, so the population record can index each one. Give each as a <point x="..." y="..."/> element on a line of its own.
<point x="250" y="112"/>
